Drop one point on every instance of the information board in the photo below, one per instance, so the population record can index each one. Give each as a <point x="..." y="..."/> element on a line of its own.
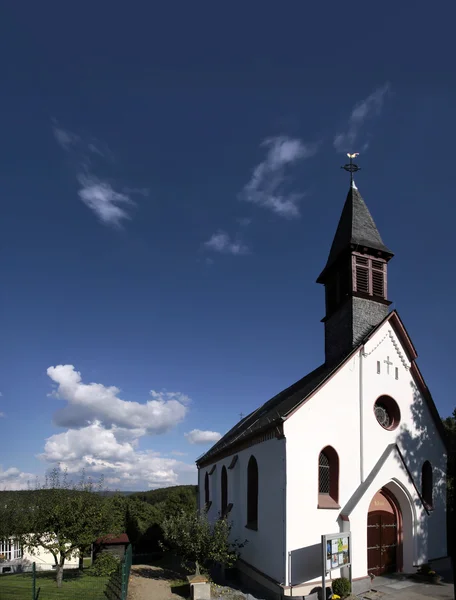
<point x="336" y="553"/>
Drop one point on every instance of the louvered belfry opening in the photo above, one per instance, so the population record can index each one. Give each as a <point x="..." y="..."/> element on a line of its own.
<point x="369" y="276"/>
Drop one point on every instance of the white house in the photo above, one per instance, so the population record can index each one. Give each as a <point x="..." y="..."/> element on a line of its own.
<point x="356" y="445"/>
<point x="14" y="558"/>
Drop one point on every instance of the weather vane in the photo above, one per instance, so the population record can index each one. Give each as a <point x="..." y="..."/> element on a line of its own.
<point x="351" y="167"/>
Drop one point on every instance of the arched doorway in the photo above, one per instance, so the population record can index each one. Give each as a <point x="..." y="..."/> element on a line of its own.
<point x="384" y="534"/>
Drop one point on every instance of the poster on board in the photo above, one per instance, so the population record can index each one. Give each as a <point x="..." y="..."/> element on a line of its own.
<point x="337" y="552"/>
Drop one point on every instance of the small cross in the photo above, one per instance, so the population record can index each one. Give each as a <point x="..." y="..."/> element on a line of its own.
<point x="241" y="415"/>
<point x="388" y="364"/>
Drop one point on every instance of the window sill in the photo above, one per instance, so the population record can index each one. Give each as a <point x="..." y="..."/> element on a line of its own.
<point x="252" y="526"/>
<point x="226" y="511"/>
<point x="327" y="502"/>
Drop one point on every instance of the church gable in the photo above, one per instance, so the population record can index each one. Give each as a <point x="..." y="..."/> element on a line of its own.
<point x="393" y="387"/>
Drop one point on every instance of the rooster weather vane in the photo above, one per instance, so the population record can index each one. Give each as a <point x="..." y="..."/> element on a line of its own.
<point x="351" y="167"/>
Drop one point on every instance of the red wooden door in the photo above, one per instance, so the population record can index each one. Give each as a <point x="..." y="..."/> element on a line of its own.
<point x="381" y="543"/>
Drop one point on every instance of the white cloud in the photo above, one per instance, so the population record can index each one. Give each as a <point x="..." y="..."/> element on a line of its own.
<point x="266" y="186"/>
<point x="2" y="414"/>
<point x="106" y="203"/>
<point x="96" y="450"/>
<point x="110" y="205"/>
<point x="95" y="402"/>
<point x="370" y="107"/>
<point x="221" y="242"/>
<point x="13" y="479"/>
<point x="196" y="436"/>
<point x="178" y="453"/>
<point x="66" y="139"/>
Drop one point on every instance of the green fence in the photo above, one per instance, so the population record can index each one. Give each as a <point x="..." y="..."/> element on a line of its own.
<point x="77" y="585"/>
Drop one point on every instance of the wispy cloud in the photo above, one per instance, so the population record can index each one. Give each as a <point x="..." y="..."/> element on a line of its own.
<point x="364" y="110"/>
<point x="110" y="205"/>
<point x="244" y="221"/>
<point x="221" y="242"/>
<point x="106" y="203"/>
<point x="267" y="185"/>
<point x="65" y="139"/>
<point x="196" y="436"/>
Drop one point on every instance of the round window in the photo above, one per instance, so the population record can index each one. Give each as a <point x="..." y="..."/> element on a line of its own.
<point x="387" y="412"/>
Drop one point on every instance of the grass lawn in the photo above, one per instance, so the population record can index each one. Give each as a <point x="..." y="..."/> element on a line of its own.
<point x="75" y="585"/>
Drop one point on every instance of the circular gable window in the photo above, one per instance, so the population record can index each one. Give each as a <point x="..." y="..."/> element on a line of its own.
<point x="387" y="412"/>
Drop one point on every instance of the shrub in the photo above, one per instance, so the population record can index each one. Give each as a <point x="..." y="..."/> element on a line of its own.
<point x="424" y="569"/>
<point x="341" y="587"/>
<point x="104" y="565"/>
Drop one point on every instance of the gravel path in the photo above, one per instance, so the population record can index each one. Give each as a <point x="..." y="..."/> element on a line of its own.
<point x="152" y="583"/>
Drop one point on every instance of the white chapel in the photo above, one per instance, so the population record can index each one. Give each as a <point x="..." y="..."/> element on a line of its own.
<point x="354" y="446"/>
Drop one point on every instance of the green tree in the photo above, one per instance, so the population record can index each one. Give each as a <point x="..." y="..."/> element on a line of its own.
<point x="450" y="428"/>
<point x="60" y="517"/>
<point x="195" y="539"/>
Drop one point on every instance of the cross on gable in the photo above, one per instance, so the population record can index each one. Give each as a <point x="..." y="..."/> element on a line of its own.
<point x="388" y="364"/>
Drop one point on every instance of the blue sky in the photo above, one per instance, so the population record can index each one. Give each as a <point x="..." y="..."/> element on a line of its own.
<point x="170" y="186"/>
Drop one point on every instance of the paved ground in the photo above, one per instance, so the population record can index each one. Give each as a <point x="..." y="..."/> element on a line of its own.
<point x="402" y="588"/>
<point x="164" y="583"/>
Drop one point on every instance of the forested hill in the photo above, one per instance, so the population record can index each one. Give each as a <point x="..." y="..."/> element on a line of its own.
<point x="181" y="494"/>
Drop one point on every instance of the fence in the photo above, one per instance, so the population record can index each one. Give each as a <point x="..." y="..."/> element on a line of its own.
<point x="77" y="584"/>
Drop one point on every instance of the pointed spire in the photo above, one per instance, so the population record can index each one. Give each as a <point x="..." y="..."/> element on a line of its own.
<point x="356" y="229"/>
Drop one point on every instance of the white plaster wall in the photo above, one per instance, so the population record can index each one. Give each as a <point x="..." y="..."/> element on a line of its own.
<point x="332" y="417"/>
<point x="416" y="436"/>
<point x="265" y="549"/>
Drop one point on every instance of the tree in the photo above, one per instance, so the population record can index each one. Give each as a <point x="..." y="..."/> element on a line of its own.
<point x="195" y="539"/>
<point x="60" y="517"/>
<point x="450" y="428"/>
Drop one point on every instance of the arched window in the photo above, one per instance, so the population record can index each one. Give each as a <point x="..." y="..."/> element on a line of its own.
<point x="427" y="484"/>
<point x="206" y="490"/>
<point x="328" y="478"/>
<point x="224" y="492"/>
<point x="252" y="494"/>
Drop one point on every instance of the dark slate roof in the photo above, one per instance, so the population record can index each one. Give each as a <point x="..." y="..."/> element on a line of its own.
<point x="356" y="227"/>
<point x="273" y="411"/>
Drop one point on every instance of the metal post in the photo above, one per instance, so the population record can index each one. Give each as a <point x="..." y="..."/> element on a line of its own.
<point x="33" y="581"/>
<point x="123" y="578"/>
<point x="323" y="568"/>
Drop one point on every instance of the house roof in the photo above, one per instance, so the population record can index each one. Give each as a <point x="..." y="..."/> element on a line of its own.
<point x="277" y="409"/>
<point x="113" y="539"/>
<point x="356" y="228"/>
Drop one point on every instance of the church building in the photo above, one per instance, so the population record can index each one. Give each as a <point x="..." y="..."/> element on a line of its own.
<point x="357" y="445"/>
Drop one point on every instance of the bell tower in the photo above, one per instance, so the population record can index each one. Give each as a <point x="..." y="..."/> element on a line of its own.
<point x="355" y="276"/>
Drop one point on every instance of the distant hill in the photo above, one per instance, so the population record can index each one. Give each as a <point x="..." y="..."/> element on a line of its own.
<point x="182" y="494"/>
<point x="185" y="494"/>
